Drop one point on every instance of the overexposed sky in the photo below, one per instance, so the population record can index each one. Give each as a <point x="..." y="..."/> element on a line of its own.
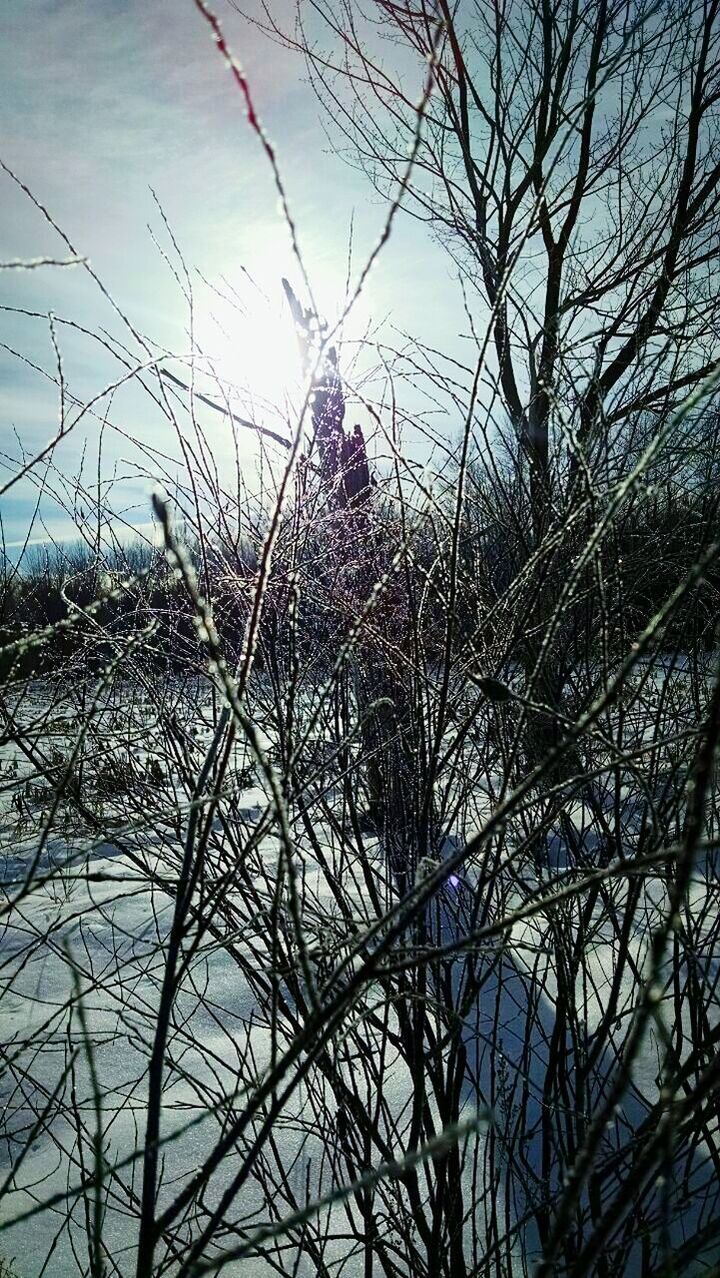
<point x="104" y="99"/>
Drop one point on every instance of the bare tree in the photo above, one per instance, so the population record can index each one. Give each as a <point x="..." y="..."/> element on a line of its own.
<point x="570" y="163"/>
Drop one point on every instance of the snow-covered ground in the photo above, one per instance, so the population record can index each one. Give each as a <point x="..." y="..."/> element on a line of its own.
<point x="82" y="959"/>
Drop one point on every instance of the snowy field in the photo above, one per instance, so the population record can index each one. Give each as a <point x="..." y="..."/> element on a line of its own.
<point x="90" y="883"/>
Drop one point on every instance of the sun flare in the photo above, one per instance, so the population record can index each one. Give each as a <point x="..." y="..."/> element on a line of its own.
<point x="249" y="345"/>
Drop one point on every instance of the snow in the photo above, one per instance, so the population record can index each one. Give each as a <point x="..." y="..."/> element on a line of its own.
<point x="93" y="918"/>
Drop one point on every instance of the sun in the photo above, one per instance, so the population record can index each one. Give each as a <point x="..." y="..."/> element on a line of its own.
<point x="248" y="346"/>
<point x="246" y="336"/>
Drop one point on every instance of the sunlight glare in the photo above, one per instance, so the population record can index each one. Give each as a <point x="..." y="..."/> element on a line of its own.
<point x="251" y="345"/>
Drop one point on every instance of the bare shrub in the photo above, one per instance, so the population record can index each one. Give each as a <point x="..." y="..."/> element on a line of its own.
<point x="360" y="848"/>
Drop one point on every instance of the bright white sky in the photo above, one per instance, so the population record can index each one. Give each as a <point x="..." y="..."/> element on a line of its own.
<point x="100" y="102"/>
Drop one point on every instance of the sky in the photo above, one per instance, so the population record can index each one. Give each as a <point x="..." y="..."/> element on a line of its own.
<point x="104" y="103"/>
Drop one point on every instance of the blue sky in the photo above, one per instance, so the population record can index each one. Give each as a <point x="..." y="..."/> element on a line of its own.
<point x="103" y="100"/>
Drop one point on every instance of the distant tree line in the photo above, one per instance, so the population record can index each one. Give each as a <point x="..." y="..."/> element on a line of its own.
<point x="653" y="545"/>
